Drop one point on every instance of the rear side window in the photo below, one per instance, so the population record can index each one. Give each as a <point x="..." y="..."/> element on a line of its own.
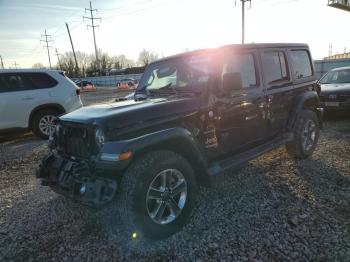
<point x="301" y="63"/>
<point x="275" y="66"/>
<point x="243" y="64"/>
<point x="39" y="80"/>
<point x="25" y="81"/>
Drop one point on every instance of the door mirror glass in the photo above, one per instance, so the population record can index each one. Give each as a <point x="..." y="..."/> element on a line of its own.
<point x="231" y="82"/>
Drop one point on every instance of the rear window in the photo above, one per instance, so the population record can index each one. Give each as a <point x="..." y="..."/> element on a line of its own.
<point x="39" y="80"/>
<point x="275" y="66"/>
<point x="301" y="64"/>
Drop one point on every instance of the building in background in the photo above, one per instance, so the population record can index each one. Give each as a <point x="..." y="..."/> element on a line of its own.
<point x="340" y="4"/>
<point x="338" y="56"/>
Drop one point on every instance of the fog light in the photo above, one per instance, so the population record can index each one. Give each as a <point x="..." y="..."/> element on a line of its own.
<point x="134" y="235"/>
<point x="82" y="190"/>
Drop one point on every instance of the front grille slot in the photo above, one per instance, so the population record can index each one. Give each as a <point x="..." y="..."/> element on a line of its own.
<point x="338" y="98"/>
<point x="76" y="141"/>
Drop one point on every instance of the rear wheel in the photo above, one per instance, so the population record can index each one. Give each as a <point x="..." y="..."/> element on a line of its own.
<point x="43" y="123"/>
<point x="306" y="133"/>
<point x="158" y="192"/>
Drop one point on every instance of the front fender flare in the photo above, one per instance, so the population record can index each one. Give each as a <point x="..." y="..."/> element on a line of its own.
<point x="177" y="139"/>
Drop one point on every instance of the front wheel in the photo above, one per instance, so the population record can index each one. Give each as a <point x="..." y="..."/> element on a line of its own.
<point x="306" y="134"/>
<point x="158" y="192"/>
<point x="43" y="123"/>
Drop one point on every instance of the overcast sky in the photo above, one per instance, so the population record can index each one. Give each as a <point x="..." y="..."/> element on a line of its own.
<point x="165" y="26"/>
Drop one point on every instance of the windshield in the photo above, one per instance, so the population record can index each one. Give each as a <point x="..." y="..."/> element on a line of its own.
<point x="177" y="73"/>
<point x="336" y="77"/>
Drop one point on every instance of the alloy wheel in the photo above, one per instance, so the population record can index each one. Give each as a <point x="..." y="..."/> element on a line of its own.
<point x="166" y="196"/>
<point x="308" y="135"/>
<point x="46" y="124"/>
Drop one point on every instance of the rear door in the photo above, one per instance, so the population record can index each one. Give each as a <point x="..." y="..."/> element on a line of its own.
<point x="279" y="88"/>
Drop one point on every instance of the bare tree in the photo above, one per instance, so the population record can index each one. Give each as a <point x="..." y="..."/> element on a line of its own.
<point x="38" y="65"/>
<point x="146" y="57"/>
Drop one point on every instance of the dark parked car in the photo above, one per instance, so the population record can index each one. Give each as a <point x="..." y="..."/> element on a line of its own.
<point x="195" y="115"/>
<point x="85" y="85"/>
<point x="335" y="89"/>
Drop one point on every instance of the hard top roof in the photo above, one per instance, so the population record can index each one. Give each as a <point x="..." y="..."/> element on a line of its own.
<point x="237" y="47"/>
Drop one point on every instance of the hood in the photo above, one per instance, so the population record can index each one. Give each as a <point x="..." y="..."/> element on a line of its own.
<point x="130" y="112"/>
<point x="327" y="89"/>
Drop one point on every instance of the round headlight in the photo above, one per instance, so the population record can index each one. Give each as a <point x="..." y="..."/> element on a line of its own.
<point x="99" y="137"/>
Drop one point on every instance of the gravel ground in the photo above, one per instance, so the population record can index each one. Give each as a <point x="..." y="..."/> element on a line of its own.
<point x="274" y="209"/>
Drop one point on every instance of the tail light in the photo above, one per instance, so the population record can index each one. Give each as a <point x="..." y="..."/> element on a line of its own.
<point x="77" y="91"/>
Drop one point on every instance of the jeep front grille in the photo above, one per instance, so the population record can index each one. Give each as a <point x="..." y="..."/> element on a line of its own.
<point x="76" y="141"/>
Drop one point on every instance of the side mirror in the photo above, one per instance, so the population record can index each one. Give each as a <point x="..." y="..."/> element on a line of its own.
<point x="231" y="81"/>
<point x="317" y="87"/>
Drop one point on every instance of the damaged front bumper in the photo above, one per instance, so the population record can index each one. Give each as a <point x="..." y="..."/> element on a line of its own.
<point x="76" y="180"/>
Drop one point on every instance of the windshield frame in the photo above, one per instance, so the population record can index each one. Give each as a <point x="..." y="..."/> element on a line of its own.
<point x="199" y="87"/>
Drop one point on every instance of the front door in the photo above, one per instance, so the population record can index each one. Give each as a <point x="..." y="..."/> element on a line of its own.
<point x="241" y="124"/>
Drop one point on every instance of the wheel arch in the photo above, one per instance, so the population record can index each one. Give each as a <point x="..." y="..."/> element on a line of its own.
<point x="178" y="140"/>
<point x="306" y="101"/>
<point x="53" y="106"/>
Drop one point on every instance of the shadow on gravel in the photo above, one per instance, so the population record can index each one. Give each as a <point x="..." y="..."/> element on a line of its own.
<point x="273" y="209"/>
<point x="16" y="136"/>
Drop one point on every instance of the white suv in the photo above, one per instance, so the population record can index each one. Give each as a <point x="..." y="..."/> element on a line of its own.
<point x="33" y="98"/>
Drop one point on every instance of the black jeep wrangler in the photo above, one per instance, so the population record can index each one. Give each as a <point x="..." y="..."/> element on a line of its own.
<point x="194" y="116"/>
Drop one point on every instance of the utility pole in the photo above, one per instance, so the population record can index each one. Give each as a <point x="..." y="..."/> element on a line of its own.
<point x="92" y="18"/>
<point x="47" y="45"/>
<point x="1" y="62"/>
<point x="58" y="57"/>
<point x="243" y="18"/>
<point x="15" y="64"/>
<point x="71" y="42"/>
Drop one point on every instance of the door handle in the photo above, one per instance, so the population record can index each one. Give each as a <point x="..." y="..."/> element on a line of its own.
<point x="251" y="117"/>
<point x="28" y="98"/>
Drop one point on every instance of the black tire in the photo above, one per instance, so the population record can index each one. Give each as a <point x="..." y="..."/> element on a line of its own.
<point x="298" y="148"/>
<point x="36" y="122"/>
<point x="135" y="185"/>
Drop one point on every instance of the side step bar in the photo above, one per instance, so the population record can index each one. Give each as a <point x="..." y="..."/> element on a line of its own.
<point x="217" y="168"/>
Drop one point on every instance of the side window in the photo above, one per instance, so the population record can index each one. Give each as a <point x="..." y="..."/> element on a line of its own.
<point x="11" y="83"/>
<point x="275" y="66"/>
<point x="4" y="85"/>
<point x="301" y="63"/>
<point x="39" y="81"/>
<point x="243" y="64"/>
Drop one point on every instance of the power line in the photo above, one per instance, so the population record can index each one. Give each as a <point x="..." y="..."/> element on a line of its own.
<point x="92" y="18"/>
<point x="262" y="3"/>
<point x="130" y="11"/>
<point x="47" y="45"/>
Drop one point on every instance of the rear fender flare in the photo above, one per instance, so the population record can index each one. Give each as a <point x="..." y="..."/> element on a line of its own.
<point x="308" y="100"/>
